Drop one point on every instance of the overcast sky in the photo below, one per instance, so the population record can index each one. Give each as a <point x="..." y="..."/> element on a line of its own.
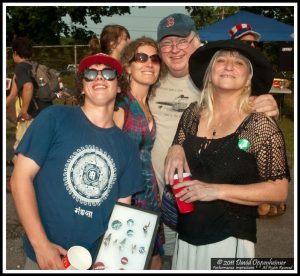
<point x="141" y="21"/>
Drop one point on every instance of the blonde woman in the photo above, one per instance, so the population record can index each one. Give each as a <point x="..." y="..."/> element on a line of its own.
<point x="237" y="158"/>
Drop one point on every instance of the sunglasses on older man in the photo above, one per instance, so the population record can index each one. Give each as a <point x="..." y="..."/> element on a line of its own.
<point x="107" y="73"/>
<point x="143" y="58"/>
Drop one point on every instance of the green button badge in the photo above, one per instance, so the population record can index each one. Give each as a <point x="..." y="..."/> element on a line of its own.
<point x="244" y="144"/>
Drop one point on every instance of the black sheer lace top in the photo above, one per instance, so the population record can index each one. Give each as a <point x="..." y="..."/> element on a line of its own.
<point x="255" y="152"/>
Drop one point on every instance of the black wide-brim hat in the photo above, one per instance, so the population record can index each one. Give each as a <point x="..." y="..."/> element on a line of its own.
<point x="263" y="75"/>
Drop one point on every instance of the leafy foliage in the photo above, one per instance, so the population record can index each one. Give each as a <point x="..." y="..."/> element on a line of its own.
<point x="45" y="25"/>
<point x="42" y="25"/>
<point x="284" y="14"/>
<point x="205" y="16"/>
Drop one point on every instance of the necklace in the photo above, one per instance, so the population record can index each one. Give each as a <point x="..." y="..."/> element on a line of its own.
<point x="214" y="130"/>
<point x="225" y="124"/>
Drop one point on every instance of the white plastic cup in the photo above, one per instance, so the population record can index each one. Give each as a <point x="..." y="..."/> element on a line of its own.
<point x="77" y="258"/>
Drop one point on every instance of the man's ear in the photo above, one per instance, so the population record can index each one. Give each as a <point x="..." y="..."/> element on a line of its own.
<point x="119" y="89"/>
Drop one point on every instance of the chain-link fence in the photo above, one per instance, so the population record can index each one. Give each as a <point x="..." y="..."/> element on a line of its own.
<point x="57" y="57"/>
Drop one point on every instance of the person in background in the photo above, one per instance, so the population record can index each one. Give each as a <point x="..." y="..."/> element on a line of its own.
<point x="73" y="165"/>
<point x="178" y="39"/>
<point x="22" y="89"/>
<point x="94" y="46"/>
<point x="246" y="34"/>
<point x="21" y="96"/>
<point x="141" y="64"/>
<point x="237" y="157"/>
<point x="113" y="39"/>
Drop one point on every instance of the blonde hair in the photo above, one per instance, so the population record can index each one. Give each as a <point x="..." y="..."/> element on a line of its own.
<point x="206" y="100"/>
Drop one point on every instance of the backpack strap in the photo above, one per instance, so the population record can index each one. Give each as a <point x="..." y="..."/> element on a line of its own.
<point x="35" y="66"/>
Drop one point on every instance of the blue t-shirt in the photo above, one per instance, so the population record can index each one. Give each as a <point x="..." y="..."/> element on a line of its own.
<point x="84" y="169"/>
<point x="23" y="75"/>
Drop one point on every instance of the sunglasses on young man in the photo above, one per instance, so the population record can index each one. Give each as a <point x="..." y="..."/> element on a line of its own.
<point x="143" y="58"/>
<point x="250" y="42"/>
<point x="107" y="73"/>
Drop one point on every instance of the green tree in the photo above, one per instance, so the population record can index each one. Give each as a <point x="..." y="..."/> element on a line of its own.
<point x="205" y="16"/>
<point x="284" y="14"/>
<point x="45" y="25"/>
<point x="42" y="25"/>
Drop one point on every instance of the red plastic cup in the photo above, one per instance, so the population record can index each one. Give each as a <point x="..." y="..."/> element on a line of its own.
<point x="77" y="258"/>
<point x="182" y="205"/>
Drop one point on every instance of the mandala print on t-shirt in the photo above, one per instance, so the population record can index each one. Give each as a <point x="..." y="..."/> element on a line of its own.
<point x="89" y="175"/>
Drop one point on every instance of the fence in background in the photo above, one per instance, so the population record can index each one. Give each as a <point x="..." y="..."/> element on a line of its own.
<point x="56" y="56"/>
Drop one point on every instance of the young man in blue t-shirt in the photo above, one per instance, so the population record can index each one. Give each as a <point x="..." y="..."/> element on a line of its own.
<point x="22" y="90"/>
<point x="73" y="165"/>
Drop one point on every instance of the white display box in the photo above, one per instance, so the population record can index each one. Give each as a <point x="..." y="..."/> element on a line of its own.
<point x="129" y="240"/>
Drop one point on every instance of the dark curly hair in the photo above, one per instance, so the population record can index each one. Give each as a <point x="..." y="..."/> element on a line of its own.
<point x="79" y="88"/>
<point x="23" y="47"/>
<point x="126" y="58"/>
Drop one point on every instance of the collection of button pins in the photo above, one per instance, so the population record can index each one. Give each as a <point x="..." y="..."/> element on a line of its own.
<point x="116" y="225"/>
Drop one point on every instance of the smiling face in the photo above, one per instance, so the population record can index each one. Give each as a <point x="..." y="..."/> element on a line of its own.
<point x="100" y="91"/>
<point x="230" y="71"/>
<point x="147" y="72"/>
<point x="177" y="59"/>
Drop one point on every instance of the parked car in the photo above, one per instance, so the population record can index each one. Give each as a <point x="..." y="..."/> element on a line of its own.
<point x="72" y="68"/>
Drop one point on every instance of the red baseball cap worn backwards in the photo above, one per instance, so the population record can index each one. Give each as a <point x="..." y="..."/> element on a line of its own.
<point x="100" y="59"/>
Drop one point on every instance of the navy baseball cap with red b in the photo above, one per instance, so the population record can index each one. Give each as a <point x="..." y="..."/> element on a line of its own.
<point x="176" y="24"/>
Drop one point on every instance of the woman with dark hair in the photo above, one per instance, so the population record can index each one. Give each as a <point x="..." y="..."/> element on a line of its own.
<point x="94" y="46"/>
<point x="113" y="39"/>
<point x="142" y="64"/>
